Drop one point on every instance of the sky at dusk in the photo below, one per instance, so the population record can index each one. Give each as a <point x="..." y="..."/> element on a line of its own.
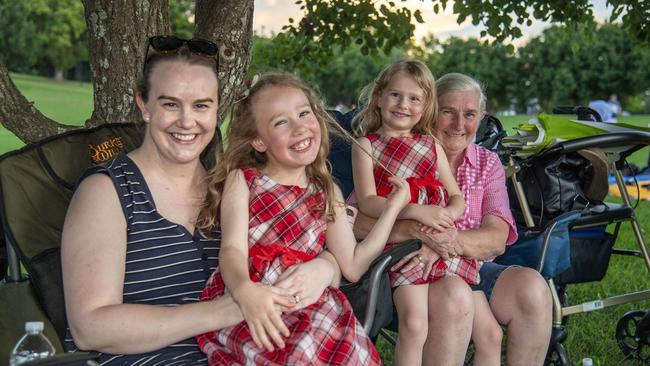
<point x="271" y="15"/>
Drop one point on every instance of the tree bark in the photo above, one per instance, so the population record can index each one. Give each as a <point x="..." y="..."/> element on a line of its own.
<point x="230" y="25"/>
<point x="117" y="35"/>
<point x="20" y="116"/>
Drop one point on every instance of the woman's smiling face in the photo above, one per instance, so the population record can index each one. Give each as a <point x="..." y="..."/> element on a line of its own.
<point x="458" y="120"/>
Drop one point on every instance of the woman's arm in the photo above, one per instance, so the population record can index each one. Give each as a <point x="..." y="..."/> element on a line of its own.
<point x="407" y="230"/>
<point x="456" y="204"/>
<point x="485" y="242"/>
<point x="93" y="254"/>
<point x="354" y="259"/>
<point x="259" y="304"/>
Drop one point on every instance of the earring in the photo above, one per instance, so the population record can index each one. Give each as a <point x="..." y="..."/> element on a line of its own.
<point x="146" y="118"/>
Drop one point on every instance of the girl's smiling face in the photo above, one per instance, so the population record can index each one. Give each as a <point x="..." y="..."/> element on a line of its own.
<point x="287" y="128"/>
<point x="400" y="104"/>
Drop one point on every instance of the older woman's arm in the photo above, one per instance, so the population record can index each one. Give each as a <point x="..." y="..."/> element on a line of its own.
<point x="407" y="230"/>
<point x="484" y="242"/>
<point x="93" y="256"/>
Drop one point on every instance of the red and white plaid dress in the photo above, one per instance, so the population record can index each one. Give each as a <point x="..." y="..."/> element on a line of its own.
<point x="414" y="159"/>
<point x="287" y="227"/>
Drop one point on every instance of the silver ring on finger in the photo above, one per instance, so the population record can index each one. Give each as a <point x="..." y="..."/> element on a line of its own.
<point x="296" y="298"/>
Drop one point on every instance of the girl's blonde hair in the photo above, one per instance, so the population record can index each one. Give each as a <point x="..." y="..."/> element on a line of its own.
<point x="239" y="151"/>
<point x="369" y="118"/>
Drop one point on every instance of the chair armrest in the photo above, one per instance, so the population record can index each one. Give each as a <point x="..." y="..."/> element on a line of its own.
<point x="373" y="276"/>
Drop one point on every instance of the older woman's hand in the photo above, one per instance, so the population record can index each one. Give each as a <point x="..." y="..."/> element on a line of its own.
<point x="444" y="242"/>
<point x="307" y="281"/>
<point x="424" y="256"/>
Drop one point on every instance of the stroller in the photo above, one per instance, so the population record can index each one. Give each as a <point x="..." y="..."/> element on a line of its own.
<point x="547" y="185"/>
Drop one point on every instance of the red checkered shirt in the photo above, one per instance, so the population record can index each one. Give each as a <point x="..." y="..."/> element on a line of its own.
<point x="414" y="158"/>
<point x="286" y="227"/>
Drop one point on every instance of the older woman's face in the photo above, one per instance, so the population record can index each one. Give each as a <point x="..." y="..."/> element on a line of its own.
<point x="458" y="120"/>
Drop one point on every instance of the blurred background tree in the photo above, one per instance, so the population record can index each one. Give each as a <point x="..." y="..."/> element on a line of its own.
<point x="337" y="46"/>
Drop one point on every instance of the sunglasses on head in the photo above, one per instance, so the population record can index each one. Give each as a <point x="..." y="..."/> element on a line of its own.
<point x="171" y="44"/>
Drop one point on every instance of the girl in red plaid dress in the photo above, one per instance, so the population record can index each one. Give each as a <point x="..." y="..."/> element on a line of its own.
<point x="278" y="206"/>
<point x="396" y="127"/>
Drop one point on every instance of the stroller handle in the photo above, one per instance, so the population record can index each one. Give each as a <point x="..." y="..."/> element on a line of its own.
<point x="634" y="139"/>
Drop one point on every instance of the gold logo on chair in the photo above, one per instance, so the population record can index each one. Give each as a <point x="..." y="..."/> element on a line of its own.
<point x="101" y="152"/>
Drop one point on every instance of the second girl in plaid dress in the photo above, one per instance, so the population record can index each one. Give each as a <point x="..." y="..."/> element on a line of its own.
<point x="396" y="127"/>
<point x="278" y="207"/>
<point x="414" y="158"/>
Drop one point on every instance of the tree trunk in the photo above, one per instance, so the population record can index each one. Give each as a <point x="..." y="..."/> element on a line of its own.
<point x="58" y="74"/>
<point x="230" y="25"/>
<point x="20" y="116"/>
<point x="118" y="32"/>
<point x="117" y="40"/>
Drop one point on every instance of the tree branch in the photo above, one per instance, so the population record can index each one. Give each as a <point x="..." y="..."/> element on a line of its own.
<point x="230" y="24"/>
<point x="20" y="116"/>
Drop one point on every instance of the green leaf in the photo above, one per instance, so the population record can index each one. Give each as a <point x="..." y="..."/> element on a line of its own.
<point x="418" y="16"/>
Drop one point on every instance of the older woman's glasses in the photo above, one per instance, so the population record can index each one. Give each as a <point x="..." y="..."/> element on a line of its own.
<point x="171" y="44"/>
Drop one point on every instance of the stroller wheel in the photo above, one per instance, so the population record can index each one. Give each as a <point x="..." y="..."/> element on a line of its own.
<point x="557" y="356"/>
<point x="632" y="335"/>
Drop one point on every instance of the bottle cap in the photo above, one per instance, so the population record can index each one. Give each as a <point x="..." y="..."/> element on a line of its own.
<point x="34" y="326"/>
<point x="587" y="362"/>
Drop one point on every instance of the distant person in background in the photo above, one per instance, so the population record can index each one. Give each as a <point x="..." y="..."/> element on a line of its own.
<point x="615" y="104"/>
<point x="604" y="109"/>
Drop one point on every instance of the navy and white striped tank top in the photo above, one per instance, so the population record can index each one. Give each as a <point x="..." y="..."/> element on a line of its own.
<point x="165" y="264"/>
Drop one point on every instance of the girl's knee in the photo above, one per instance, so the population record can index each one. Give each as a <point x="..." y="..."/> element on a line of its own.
<point x="451" y="296"/>
<point x="413" y="326"/>
<point x="489" y="337"/>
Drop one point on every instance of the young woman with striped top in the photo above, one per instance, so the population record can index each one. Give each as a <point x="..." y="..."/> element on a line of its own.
<point x="134" y="263"/>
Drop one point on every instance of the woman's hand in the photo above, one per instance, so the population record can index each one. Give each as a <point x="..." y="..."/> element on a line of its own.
<point x="261" y="307"/>
<point x="306" y="281"/>
<point x="425" y="257"/>
<point x="444" y="242"/>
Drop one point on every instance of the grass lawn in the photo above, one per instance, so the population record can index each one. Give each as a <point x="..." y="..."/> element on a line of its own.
<point x="67" y="102"/>
<point x="589" y="334"/>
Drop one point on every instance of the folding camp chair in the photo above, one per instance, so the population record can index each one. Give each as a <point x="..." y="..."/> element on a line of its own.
<point x="36" y="184"/>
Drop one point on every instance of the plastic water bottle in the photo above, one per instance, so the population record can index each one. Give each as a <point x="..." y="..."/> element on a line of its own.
<point x="32" y="346"/>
